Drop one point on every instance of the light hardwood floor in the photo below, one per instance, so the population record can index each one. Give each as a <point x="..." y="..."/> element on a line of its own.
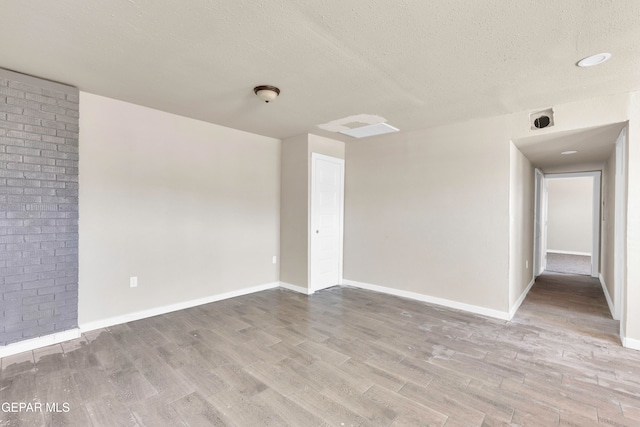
<point x="342" y="357"/>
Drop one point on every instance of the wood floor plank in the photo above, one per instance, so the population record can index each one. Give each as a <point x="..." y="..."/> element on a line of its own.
<point x="245" y="410"/>
<point x="571" y="419"/>
<point x="109" y="354"/>
<point x="59" y="390"/>
<point x="168" y="383"/>
<point x="475" y="397"/>
<point x="408" y="412"/>
<point x="375" y="412"/>
<point x="131" y="385"/>
<point x="362" y="371"/>
<point x="323" y="353"/>
<point x="292" y="413"/>
<point x="20" y="387"/>
<point x="279" y="378"/>
<point x="196" y="411"/>
<point x="546" y="396"/>
<point x="525" y="412"/>
<point x="239" y="379"/>
<point x="326" y="408"/>
<point x="108" y="412"/>
<point x="79" y="355"/>
<point x="20" y="363"/>
<point x="93" y="383"/>
<point x="343" y="357"/>
<point x="154" y="412"/>
<point x="432" y="396"/>
<point x="293" y="352"/>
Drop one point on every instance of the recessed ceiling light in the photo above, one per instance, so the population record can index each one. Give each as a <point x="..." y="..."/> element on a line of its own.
<point x="592" y="60"/>
<point x="564" y="153"/>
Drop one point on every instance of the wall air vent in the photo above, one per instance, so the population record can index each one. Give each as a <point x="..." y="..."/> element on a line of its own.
<point x="541" y="119"/>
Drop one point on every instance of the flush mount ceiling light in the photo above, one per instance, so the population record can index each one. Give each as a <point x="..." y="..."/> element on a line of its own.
<point x="566" y="153"/>
<point x="592" y="60"/>
<point x="266" y="92"/>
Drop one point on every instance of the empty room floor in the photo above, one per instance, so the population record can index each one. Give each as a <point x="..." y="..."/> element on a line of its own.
<point x="342" y="357"/>
<point x="568" y="263"/>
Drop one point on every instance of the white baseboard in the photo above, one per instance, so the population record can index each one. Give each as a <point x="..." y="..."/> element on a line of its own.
<point x="117" y="320"/>
<point x="34" y="343"/>
<point x="295" y="288"/>
<point x="608" y="297"/>
<point x="631" y="343"/>
<point x="503" y="315"/>
<point x="557" y="251"/>
<point x="520" y="300"/>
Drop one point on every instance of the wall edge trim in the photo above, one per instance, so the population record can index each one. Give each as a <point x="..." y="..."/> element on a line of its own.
<point x="608" y="297"/>
<point x="35" y="343"/>
<point x="295" y="288"/>
<point x="521" y="299"/>
<point x="488" y="312"/>
<point x="631" y="343"/>
<point x="156" y="311"/>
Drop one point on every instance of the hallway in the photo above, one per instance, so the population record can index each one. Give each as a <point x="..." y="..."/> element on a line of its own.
<point x="571" y="305"/>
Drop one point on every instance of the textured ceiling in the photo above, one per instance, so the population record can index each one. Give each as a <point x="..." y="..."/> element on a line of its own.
<point x="416" y="63"/>
<point x="594" y="146"/>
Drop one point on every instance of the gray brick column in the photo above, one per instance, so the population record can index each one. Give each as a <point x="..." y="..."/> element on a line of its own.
<point x="38" y="207"/>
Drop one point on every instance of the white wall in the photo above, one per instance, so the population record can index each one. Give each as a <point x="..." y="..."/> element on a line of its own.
<point x="190" y="208"/>
<point x="295" y="203"/>
<point x="595" y="112"/>
<point x="607" y="226"/>
<point x="294" y="212"/>
<point x="522" y="217"/>
<point x="631" y="325"/>
<point x="570" y="215"/>
<point x="428" y="212"/>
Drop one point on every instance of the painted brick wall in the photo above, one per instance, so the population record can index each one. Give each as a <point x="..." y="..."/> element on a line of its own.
<point x="38" y="207"/>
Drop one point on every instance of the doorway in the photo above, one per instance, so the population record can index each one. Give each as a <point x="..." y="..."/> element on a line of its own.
<point x="327" y="212"/>
<point x="572" y="223"/>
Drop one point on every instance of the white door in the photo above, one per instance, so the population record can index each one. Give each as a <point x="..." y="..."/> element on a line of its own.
<point x="327" y="201"/>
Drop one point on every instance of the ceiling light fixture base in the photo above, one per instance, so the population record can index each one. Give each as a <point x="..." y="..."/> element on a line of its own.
<point x="267" y="93"/>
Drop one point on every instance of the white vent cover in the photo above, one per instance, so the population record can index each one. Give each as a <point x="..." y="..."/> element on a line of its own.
<point x="369" y="130"/>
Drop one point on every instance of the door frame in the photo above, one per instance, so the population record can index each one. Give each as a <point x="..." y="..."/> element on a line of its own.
<point x="539" y="224"/>
<point x="340" y="162"/>
<point x="620" y="230"/>
<point x="595" y="241"/>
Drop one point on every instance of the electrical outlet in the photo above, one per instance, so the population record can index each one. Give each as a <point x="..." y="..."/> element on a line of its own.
<point x="133" y="281"/>
<point x="526" y="263"/>
<point x="274" y="260"/>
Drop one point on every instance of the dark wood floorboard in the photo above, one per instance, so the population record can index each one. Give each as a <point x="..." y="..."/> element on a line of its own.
<point x="342" y="357"/>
